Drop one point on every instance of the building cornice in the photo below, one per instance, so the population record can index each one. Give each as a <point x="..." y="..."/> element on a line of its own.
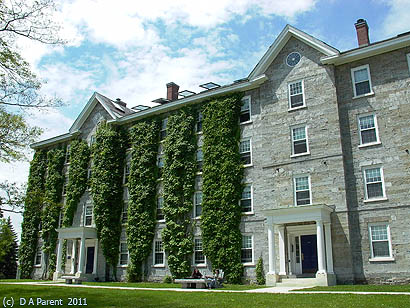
<point x="54" y="140"/>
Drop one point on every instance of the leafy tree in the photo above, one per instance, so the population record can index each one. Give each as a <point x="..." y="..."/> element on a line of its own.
<point x="8" y="263"/>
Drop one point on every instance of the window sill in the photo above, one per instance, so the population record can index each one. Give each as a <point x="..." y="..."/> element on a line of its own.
<point x="197" y="218"/>
<point x="161" y="221"/>
<point x="300" y="154"/>
<point x="199" y="173"/>
<point x="363" y="95"/>
<point x="159" y="180"/>
<point x="248" y="165"/>
<point x="202" y="265"/>
<point x="375" y="200"/>
<point x="297" y="108"/>
<point x="365" y="145"/>
<point x="122" y="266"/>
<point x="248" y="213"/>
<point x="382" y="259"/>
<point x="37" y="266"/>
<point x="199" y="133"/>
<point x="248" y="264"/>
<point x="246" y="123"/>
<point x="158" y="265"/>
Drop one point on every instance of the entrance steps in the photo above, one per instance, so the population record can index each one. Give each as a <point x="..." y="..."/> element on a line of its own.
<point x="297" y="282"/>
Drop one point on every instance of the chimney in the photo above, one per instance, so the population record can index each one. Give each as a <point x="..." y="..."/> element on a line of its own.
<point x="362" y="30"/>
<point x="120" y="102"/>
<point x="172" y="91"/>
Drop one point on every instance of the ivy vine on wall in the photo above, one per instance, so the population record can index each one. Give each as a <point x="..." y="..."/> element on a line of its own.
<point x="179" y="186"/>
<point x="32" y="213"/>
<point x="142" y="190"/>
<point x="222" y="187"/>
<point x="107" y="190"/>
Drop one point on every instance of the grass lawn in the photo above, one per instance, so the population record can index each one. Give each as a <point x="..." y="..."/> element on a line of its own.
<point x="363" y="288"/>
<point x="171" y="299"/>
<point x="17" y="280"/>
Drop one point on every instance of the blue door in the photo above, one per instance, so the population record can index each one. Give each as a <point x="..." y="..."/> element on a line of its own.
<point x="309" y="253"/>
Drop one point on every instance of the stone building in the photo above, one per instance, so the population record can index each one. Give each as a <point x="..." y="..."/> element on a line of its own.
<point x="325" y="139"/>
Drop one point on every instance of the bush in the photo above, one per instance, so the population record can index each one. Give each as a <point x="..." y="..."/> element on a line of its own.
<point x="167" y="279"/>
<point x="260" y="274"/>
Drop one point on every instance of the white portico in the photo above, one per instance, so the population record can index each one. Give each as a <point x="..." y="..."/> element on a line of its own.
<point x="304" y="243"/>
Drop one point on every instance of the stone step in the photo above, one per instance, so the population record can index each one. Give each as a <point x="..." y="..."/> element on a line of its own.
<point x="297" y="282"/>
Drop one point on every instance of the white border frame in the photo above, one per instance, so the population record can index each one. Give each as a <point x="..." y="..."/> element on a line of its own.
<point x="294" y="189"/>
<point x="307" y="140"/>
<point x="381" y="259"/>
<point x="290" y="108"/>
<point x="250" y="146"/>
<point x="352" y="70"/>
<point x="153" y="253"/>
<point x="376" y="126"/>
<point x="251" y="212"/>
<point x="195" y="215"/>
<point x="85" y="214"/>
<point x="201" y="265"/>
<point x="42" y="256"/>
<point x="366" y="198"/>
<point x="119" y="257"/>
<point x="250" y="110"/>
<point x="253" y="251"/>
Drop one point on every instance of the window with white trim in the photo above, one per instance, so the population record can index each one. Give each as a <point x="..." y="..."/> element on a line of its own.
<point x="198" y="204"/>
<point x="368" y="129"/>
<point x="246" y="199"/>
<point x="67" y="154"/>
<point x="199" y="257"/>
<point x="296" y="94"/>
<point x="198" y="124"/>
<point x="362" y="83"/>
<point x="88" y="215"/>
<point x="199" y="159"/>
<point x="61" y="219"/>
<point x="300" y="140"/>
<point x="124" y="214"/>
<point x="373" y="182"/>
<point x="245" y="114"/>
<point x="160" y="164"/>
<point x="160" y="205"/>
<point x="65" y="183"/>
<point x="127" y="168"/>
<point x="38" y="257"/>
<point x="92" y="139"/>
<point x="380" y="240"/>
<point x="245" y="151"/>
<point x="159" y="253"/>
<point x="163" y="132"/>
<point x="247" y="249"/>
<point x="302" y="190"/>
<point x="123" y="253"/>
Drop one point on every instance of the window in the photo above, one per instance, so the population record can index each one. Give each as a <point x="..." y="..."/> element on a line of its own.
<point x="380" y="240"/>
<point x="374" y="186"/>
<point x="159" y="254"/>
<point x="88" y="217"/>
<point x="124" y="215"/>
<point x="368" y="129"/>
<point x="39" y="254"/>
<point x="362" y="84"/>
<point x="245" y="114"/>
<point x="300" y="141"/>
<point x="65" y="184"/>
<point x="92" y="139"/>
<point x="160" y="205"/>
<point x="247" y="249"/>
<point x="163" y="132"/>
<point x="123" y="253"/>
<point x="198" y="204"/>
<point x="198" y="125"/>
<point x="302" y="190"/>
<point x="127" y="172"/>
<point x="246" y="200"/>
<point x="245" y="151"/>
<point x="199" y="257"/>
<point x="408" y="60"/>
<point x="61" y="219"/>
<point x="296" y="95"/>
<point x="67" y="155"/>
<point x="199" y="159"/>
<point x="160" y="164"/>
<point x="90" y="173"/>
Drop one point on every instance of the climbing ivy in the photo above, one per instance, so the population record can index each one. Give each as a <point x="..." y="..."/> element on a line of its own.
<point x="179" y="185"/>
<point x="222" y="188"/>
<point x="77" y="178"/>
<point x="142" y="190"/>
<point x="107" y="190"/>
<point x="51" y="208"/>
<point x="32" y="213"/>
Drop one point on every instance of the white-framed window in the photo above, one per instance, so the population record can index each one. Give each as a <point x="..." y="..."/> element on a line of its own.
<point x="67" y="154"/>
<point x="160" y="212"/>
<point x="123" y="253"/>
<point x="368" y="129"/>
<point x="88" y="215"/>
<point x="199" y="257"/>
<point x="380" y="241"/>
<point x="296" y="94"/>
<point x="374" y="183"/>
<point x="199" y="159"/>
<point x="198" y="204"/>
<point x="159" y="253"/>
<point x="247" y="249"/>
<point x="124" y="214"/>
<point x="89" y="173"/>
<point x="163" y="132"/>
<point x="246" y="199"/>
<point x="127" y="169"/>
<point x="160" y="164"/>
<point x="92" y="139"/>
<point x="198" y="124"/>
<point x="302" y="190"/>
<point x="245" y="150"/>
<point x="361" y="80"/>
<point x="300" y="144"/>
<point x="61" y="219"/>
<point x="408" y="60"/>
<point x="38" y="257"/>
<point x="245" y="115"/>
<point x="65" y="183"/>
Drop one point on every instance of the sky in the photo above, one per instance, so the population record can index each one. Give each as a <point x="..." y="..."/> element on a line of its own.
<point x="129" y="50"/>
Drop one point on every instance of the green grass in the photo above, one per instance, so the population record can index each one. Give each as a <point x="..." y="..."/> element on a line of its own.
<point x="363" y="288"/>
<point x="102" y="298"/>
<point x="17" y="280"/>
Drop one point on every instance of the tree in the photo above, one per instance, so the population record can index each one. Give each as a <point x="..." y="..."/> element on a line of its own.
<point x="8" y="250"/>
<point x="12" y="197"/>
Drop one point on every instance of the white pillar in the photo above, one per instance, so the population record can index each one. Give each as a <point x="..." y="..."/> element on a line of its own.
<point x="59" y="255"/>
<point x="82" y="256"/>
<point x="95" y="257"/>
<point x="73" y="256"/>
<point x="282" y="255"/>
<point x="290" y="254"/>
<point x="320" y="247"/>
<point x="329" y="254"/>
<point x="271" y="248"/>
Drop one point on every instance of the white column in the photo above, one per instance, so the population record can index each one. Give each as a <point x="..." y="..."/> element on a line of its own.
<point x="282" y="256"/>
<point x="95" y="257"/>
<point x="59" y="255"/>
<point x="82" y="255"/>
<point x="73" y="256"/>
<point x="271" y="248"/>
<point x="290" y="254"/>
<point x="329" y="254"/>
<point x="320" y="247"/>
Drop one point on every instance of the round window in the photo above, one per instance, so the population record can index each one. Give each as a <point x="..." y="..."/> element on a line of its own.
<point x="293" y="59"/>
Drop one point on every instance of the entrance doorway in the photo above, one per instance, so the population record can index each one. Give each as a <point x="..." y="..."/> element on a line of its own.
<point x="309" y="253"/>
<point x="89" y="268"/>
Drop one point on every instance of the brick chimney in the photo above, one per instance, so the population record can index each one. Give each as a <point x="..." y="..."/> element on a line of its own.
<point x="172" y="91"/>
<point x="362" y="30"/>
